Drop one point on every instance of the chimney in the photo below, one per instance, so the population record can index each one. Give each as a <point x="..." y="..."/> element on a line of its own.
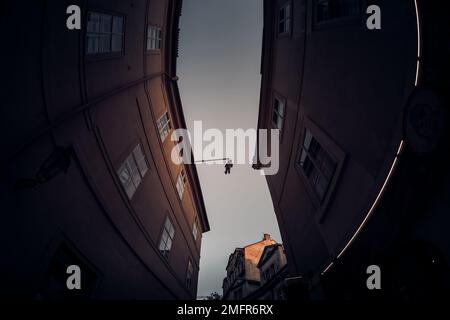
<point x="266" y="236"/>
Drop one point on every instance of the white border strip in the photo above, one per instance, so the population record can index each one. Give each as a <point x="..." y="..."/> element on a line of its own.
<point x="327" y="268"/>
<point x="399" y="151"/>
<point x="377" y="200"/>
<point x="374" y="205"/>
<point x="416" y="83"/>
<point x="419" y="43"/>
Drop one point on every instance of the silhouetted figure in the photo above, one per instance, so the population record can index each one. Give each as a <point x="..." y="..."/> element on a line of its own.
<point x="228" y="167"/>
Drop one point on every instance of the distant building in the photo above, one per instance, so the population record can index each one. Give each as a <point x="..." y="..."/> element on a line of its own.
<point x="87" y="177"/>
<point x="273" y="271"/>
<point x="243" y="275"/>
<point x="363" y="149"/>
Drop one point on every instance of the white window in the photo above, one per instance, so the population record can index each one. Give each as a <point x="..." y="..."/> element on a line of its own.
<point x="278" y="113"/>
<point x="195" y="228"/>
<point x="164" y="126"/>
<point x="104" y="33"/>
<point x="189" y="273"/>
<point x="285" y="19"/>
<point x="166" y="241"/>
<point x="181" y="184"/>
<point x="133" y="170"/>
<point x="140" y="159"/>
<point x="154" y="38"/>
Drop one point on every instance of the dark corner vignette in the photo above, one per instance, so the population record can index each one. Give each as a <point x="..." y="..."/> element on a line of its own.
<point x="214" y="159"/>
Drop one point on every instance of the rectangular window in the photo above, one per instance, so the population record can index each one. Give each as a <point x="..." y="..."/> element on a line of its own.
<point x="132" y="171"/>
<point x="154" y="38"/>
<point x="189" y="272"/>
<point x="140" y="159"/>
<point x="278" y="113"/>
<point x="317" y="164"/>
<point x="195" y="228"/>
<point x="104" y="33"/>
<point x="164" y="126"/>
<point x="181" y="184"/>
<point x="166" y="241"/>
<point x="336" y="9"/>
<point x="285" y="19"/>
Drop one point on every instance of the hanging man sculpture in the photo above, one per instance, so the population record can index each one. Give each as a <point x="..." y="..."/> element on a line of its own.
<point x="228" y="166"/>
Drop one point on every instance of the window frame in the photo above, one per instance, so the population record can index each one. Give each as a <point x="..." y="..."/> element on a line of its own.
<point x="141" y="160"/>
<point x="195" y="228"/>
<point x="276" y="96"/>
<point x="189" y="275"/>
<point x="324" y="168"/>
<point x="128" y="164"/>
<point x="335" y="152"/>
<point x="161" y="128"/>
<point x="285" y="33"/>
<point x="181" y="178"/>
<point x="110" y="54"/>
<point x="338" y="21"/>
<point x="158" y="40"/>
<point x="164" y="230"/>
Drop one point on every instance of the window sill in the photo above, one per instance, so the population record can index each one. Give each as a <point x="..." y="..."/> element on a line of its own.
<point x="337" y="23"/>
<point x="103" y="56"/>
<point x="284" y="35"/>
<point x="153" y="51"/>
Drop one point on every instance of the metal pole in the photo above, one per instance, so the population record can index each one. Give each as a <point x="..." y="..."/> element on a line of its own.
<point x="222" y="159"/>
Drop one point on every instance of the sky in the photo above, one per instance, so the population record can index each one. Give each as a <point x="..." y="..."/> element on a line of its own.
<point x="219" y="71"/>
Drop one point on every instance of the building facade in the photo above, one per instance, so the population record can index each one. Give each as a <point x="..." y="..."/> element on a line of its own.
<point x="243" y="275"/>
<point x="273" y="272"/>
<point x="361" y="115"/>
<point x="87" y="177"/>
